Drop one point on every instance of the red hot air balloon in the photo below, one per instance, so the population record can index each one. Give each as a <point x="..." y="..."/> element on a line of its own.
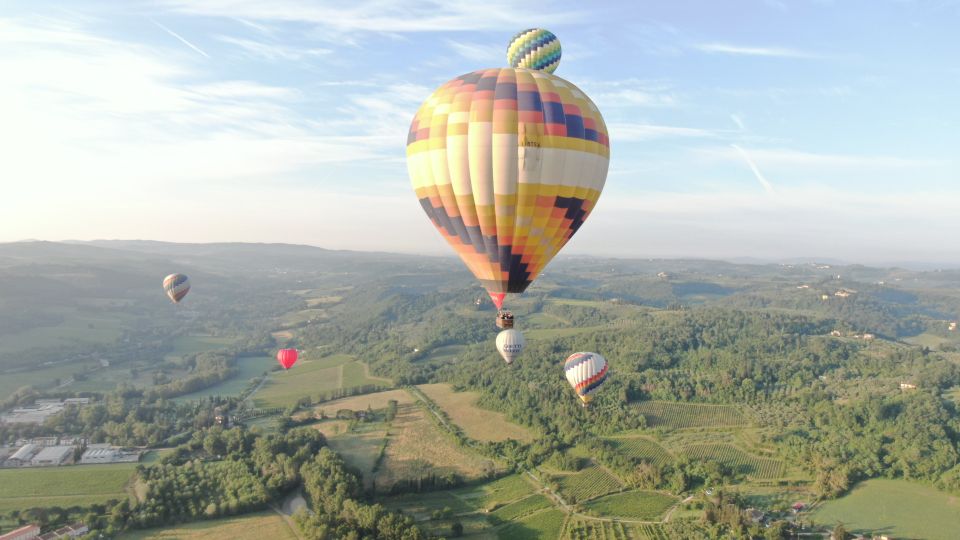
<point x="287" y="357"/>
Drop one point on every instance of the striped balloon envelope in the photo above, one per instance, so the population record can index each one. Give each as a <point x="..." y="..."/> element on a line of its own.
<point x="586" y="372"/>
<point x="176" y="286"/>
<point x="508" y="163"/>
<point x="534" y="48"/>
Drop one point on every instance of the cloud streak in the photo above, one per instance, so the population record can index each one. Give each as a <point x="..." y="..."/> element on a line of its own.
<point x="743" y="50"/>
<point x="767" y="186"/>
<point x="181" y="39"/>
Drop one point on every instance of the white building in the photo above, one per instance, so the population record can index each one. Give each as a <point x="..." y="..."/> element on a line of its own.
<point x="52" y="455"/>
<point x="100" y="454"/>
<point x="70" y="531"/>
<point x="22" y="456"/>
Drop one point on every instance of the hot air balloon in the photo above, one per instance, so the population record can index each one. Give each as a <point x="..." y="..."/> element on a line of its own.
<point x="287" y="357"/>
<point x="585" y="372"/>
<point x="534" y="48"/>
<point x="508" y="163"/>
<point x="176" y="286"/>
<point x="510" y="344"/>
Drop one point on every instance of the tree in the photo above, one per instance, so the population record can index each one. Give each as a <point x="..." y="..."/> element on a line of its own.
<point x="839" y="532"/>
<point x="456" y="530"/>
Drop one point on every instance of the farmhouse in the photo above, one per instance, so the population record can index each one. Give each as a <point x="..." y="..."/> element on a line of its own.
<point x="952" y="327"/>
<point x="835" y="333"/>
<point x="754" y="515"/>
<point x="907" y="386"/>
<point x="22" y="456"/>
<point x="70" y="531"/>
<point x="27" y="532"/>
<point x="52" y="455"/>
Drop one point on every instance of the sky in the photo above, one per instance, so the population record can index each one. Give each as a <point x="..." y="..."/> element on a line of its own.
<point x="768" y="129"/>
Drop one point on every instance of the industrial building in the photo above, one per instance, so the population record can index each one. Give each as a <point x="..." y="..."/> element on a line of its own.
<point x="52" y="455"/>
<point x="22" y="456"/>
<point x="70" y="531"/>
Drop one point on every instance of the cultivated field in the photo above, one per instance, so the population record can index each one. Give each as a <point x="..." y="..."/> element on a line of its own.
<point x="360" y="450"/>
<point x="21" y="489"/>
<point x="590" y="483"/>
<point x="643" y="448"/>
<point x="247" y="367"/>
<point x="496" y="493"/>
<point x="249" y="527"/>
<point x="477" y="423"/>
<point x="588" y="529"/>
<point x="314" y="378"/>
<point x="417" y="448"/>
<point x="521" y="508"/>
<point x="641" y="505"/>
<point x="897" y="508"/>
<point x="196" y="344"/>
<point x="740" y="461"/>
<point x="545" y="524"/>
<point x="688" y="415"/>
<point x="377" y="400"/>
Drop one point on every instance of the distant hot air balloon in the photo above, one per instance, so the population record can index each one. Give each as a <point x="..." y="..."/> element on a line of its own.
<point x="534" y="48"/>
<point x="287" y="357"/>
<point x="176" y="286"/>
<point x="508" y="163"/>
<point x="585" y="372"/>
<point x="510" y="344"/>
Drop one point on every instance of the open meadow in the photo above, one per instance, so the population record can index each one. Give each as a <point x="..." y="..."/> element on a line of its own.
<point x="313" y="378"/>
<point x="897" y="508"/>
<point x="247" y="527"/>
<point x="477" y="423"/>
<point x="74" y="485"/>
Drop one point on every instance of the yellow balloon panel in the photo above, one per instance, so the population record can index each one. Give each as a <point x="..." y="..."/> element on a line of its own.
<point x="508" y="163"/>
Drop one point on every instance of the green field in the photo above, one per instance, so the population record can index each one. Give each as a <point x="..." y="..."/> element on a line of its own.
<point x="643" y="448"/>
<point x="506" y="489"/>
<point x="248" y="527"/>
<point x="78" y="327"/>
<point x="641" y="505"/>
<point x="41" y="378"/>
<point x="590" y="483"/>
<point x="543" y="525"/>
<point x="76" y="485"/>
<point x="588" y="529"/>
<point x="688" y="415"/>
<point x="521" y="508"/>
<point x="313" y="378"/>
<point x="184" y="345"/>
<point x="247" y="367"/>
<point x="738" y="460"/>
<point x="897" y="508"/>
<point x="360" y="450"/>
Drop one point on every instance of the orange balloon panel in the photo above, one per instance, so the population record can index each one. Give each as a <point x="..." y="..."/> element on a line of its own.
<point x="508" y="163"/>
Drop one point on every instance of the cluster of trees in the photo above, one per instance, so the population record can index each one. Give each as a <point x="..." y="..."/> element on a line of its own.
<point x="338" y="511"/>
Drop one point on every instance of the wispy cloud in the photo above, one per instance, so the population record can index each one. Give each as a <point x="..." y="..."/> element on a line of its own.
<point x="738" y="121"/>
<point x="743" y="50"/>
<point x="630" y="132"/>
<point x="379" y="16"/>
<point x="181" y="39"/>
<point x="782" y="157"/>
<point x="477" y="51"/>
<point x="274" y="51"/>
<point x="767" y="186"/>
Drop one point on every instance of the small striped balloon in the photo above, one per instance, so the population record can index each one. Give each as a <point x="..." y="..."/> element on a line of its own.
<point x="176" y="286"/>
<point x="535" y="48"/>
<point x="585" y="372"/>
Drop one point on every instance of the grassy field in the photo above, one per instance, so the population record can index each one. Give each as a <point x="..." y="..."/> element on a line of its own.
<point x="377" y="400"/>
<point x="897" y="508"/>
<point x="77" y="327"/>
<point x="642" y="505"/>
<point x="312" y="377"/>
<point x="643" y="448"/>
<point x="248" y="527"/>
<point x="444" y="354"/>
<point x="199" y="343"/>
<point x="590" y="483"/>
<point x="496" y="493"/>
<point x="360" y="450"/>
<point x="688" y="415"/>
<point x="543" y="525"/>
<point x="523" y="507"/>
<point x="41" y="378"/>
<point x="477" y="423"/>
<point x="415" y="442"/>
<point x="21" y="489"/>
<point x="953" y="394"/>
<point x="740" y="461"/>
<point x="248" y="367"/>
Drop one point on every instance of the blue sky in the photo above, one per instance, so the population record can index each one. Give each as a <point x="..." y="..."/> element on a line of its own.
<point x="768" y="129"/>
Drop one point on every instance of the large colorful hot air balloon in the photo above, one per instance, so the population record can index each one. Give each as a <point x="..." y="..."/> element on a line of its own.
<point x="287" y="357"/>
<point x="510" y="344"/>
<point x="585" y="372"/>
<point x="508" y="163"/>
<point x="176" y="286"/>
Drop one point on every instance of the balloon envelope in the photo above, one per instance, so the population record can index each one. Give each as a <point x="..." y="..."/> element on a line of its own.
<point x="507" y="164"/>
<point x="510" y="344"/>
<point x="176" y="286"/>
<point x="287" y="357"/>
<point x="534" y="48"/>
<point x="586" y="372"/>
